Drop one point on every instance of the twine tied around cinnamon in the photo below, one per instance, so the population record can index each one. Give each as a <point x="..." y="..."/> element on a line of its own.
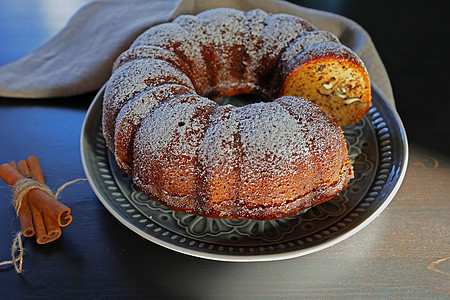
<point x="39" y="211"/>
<point x="24" y="185"/>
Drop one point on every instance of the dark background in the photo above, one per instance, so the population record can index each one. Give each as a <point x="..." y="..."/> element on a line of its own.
<point x="412" y="38"/>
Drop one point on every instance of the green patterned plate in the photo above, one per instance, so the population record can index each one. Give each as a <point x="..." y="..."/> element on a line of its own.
<point x="379" y="153"/>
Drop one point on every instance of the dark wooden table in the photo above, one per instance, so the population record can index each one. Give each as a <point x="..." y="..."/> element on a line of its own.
<point x="404" y="253"/>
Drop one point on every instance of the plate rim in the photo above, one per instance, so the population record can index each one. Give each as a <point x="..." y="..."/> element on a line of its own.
<point x="97" y="101"/>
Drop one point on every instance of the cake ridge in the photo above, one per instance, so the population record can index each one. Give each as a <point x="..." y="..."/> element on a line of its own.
<point x="129" y="80"/>
<point x="131" y="115"/>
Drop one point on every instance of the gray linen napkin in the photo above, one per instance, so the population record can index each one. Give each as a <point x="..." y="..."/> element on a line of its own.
<point x="80" y="57"/>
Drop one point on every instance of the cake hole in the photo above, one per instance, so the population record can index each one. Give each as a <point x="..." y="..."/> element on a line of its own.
<point x="242" y="99"/>
<point x="181" y="124"/>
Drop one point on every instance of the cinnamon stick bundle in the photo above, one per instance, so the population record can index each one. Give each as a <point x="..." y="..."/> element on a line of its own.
<point x="39" y="212"/>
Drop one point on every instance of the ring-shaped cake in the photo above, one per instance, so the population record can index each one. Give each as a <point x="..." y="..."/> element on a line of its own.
<point x="262" y="161"/>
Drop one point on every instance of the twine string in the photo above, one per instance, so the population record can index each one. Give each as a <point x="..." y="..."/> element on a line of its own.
<point x="20" y="190"/>
<point x="17" y="253"/>
<point x="62" y="187"/>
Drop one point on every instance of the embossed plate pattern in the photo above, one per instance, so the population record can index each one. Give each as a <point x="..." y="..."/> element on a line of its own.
<point x="379" y="153"/>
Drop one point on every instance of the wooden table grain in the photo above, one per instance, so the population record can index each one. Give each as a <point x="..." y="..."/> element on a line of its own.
<point x="403" y="254"/>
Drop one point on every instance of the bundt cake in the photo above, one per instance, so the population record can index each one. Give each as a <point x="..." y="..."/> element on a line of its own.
<point x="262" y="161"/>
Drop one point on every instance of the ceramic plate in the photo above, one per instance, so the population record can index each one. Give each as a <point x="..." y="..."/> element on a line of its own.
<point x="379" y="153"/>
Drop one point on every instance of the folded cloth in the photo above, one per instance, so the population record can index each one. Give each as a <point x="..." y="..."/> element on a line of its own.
<point x="79" y="58"/>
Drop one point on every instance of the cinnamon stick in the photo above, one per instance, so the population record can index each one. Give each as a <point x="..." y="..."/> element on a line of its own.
<point x="38" y="198"/>
<point x="23" y="169"/>
<point x="25" y="215"/>
<point x="53" y="231"/>
<point x="52" y="228"/>
<point x="38" y="221"/>
<point x="39" y="212"/>
<point x="47" y="226"/>
<point x="35" y="169"/>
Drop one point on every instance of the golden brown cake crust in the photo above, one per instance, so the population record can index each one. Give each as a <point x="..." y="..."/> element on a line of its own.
<point x="260" y="161"/>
